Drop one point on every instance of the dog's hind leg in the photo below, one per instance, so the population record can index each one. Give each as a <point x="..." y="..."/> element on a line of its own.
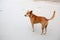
<point x="42" y="29"/>
<point x="46" y="28"/>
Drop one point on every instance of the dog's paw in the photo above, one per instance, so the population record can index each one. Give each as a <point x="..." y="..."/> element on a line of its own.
<point x="41" y="33"/>
<point x="32" y="30"/>
<point x="44" y="33"/>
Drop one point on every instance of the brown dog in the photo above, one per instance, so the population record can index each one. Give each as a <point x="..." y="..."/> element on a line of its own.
<point x="39" y="19"/>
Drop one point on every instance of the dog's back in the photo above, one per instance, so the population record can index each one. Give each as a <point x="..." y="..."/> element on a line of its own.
<point x="38" y="19"/>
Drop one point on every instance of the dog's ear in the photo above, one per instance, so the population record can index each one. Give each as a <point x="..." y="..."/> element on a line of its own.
<point x="54" y="11"/>
<point x="31" y="11"/>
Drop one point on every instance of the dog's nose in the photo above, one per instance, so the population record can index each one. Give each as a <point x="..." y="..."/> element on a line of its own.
<point x="24" y="15"/>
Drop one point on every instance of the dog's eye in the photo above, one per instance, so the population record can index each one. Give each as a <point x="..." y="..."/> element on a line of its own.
<point x="27" y="13"/>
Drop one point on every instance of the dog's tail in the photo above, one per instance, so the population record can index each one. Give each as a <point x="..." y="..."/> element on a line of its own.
<point x="52" y="16"/>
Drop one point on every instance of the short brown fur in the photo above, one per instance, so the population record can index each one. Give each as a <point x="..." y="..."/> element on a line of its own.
<point x="39" y="19"/>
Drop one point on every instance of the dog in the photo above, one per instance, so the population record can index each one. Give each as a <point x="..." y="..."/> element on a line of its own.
<point x="39" y="19"/>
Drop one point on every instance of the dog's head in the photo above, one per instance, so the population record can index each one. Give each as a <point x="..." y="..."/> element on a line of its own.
<point x="28" y="13"/>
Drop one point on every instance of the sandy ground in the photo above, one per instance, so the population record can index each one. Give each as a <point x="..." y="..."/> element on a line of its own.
<point x="15" y="26"/>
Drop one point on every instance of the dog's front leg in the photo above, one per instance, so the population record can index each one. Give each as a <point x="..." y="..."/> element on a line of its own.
<point x="32" y="23"/>
<point x="32" y="27"/>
